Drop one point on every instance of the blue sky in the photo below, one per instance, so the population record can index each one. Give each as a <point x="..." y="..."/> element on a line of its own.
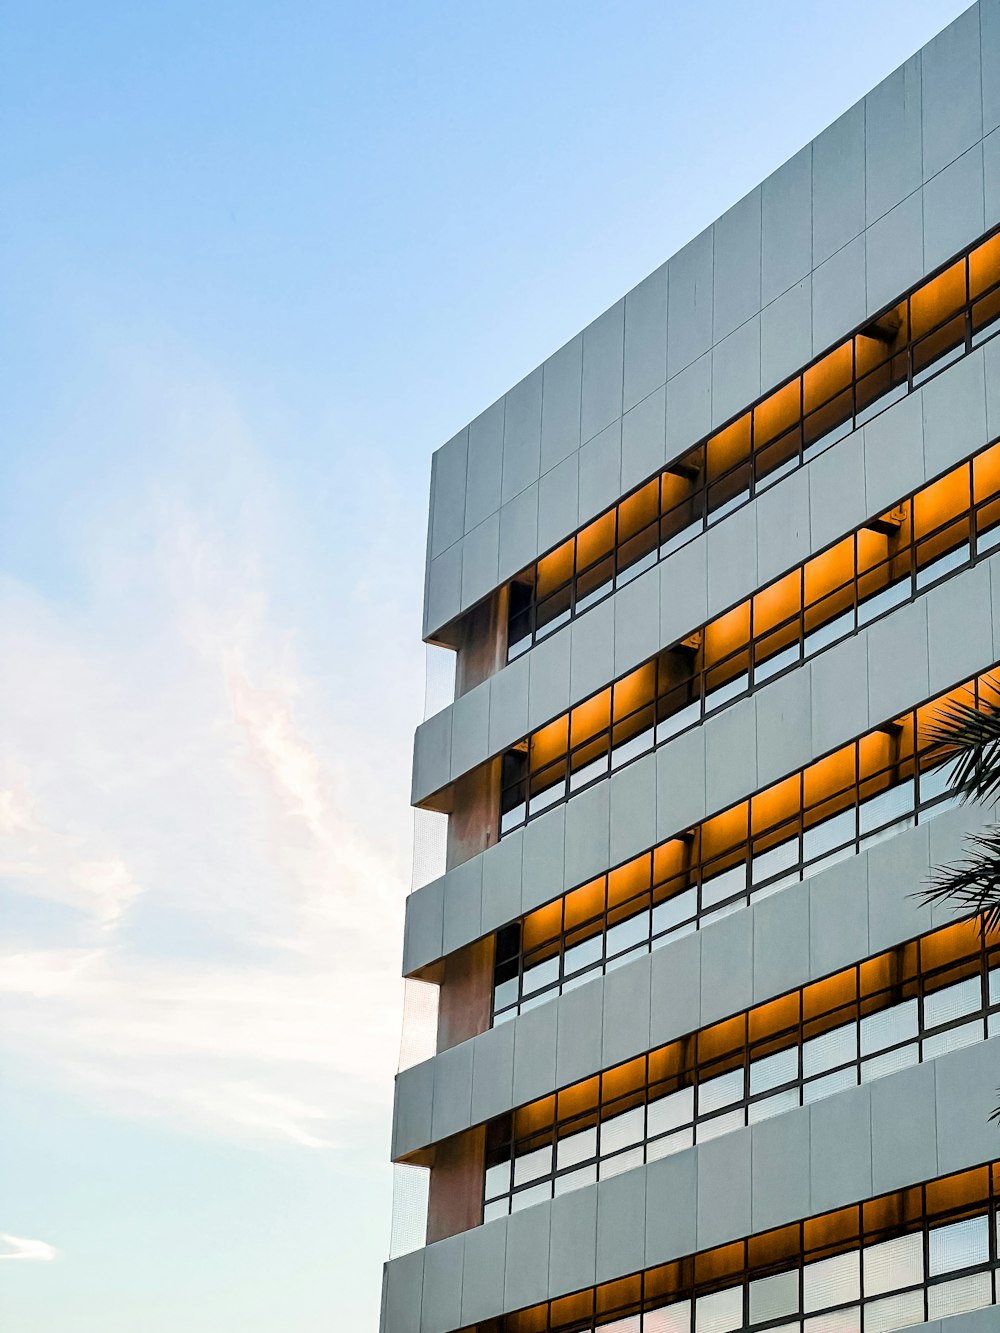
<point x="257" y="261"/>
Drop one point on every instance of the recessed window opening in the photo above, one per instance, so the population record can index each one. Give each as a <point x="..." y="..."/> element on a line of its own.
<point x="942" y="319"/>
<point x="928" y="536"/>
<point x="934" y="994"/>
<point x="866" y="791"/>
<point x="918" y="1254"/>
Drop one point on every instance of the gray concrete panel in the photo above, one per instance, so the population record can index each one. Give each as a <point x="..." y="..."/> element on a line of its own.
<point x="411" y="1122"/>
<point x="786" y="334"/>
<point x="625" y="1020"/>
<point x="784" y="725"/>
<point x="443" y="600"/>
<point x="441" y="1306"/>
<point x="573" y="1240"/>
<point x="954" y="413"/>
<point x="588" y="825"/>
<point x="535" y="1053"/>
<point x="526" y="1271"/>
<point x="578" y="1040"/>
<point x="452" y="1091"/>
<point x="621" y="1225"/>
<point x="732" y="557"/>
<point x="548" y="680"/>
<point x="991" y="179"/>
<point x="637" y="621"/>
<point x="645" y="337"/>
<point x="562" y="377"/>
<point x="839" y="184"/>
<point x="726" y="967"/>
<point x="448" y="493"/>
<point x="952" y="102"/>
<point x="675" y="988"/>
<point x="780" y="942"/>
<point x="480" y="561"/>
<point x="736" y="273"/>
<point x="492" y="1073"/>
<point x="689" y="405"/>
<point x="965" y="1092"/>
<point x="959" y="627"/>
<point x="786" y="225"/>
<point x="736" y="371"/>
<point x="684" y="591"/>
<point x="989" y="33"/>
<point x="840" y="1149"/>
<point x="404" y="1278"/>
<point x="731" y="755"/>
<point x="893" y="149"/>
<point x="592" y="653"/>
<point x="509" y="705"/>
<point x="633" y="808"/>
<point x="897" y="662"/>
<point x="724" y="1189"/>
<point x="644" y="439"/>
<point x="470" y="729"/>
<point x="689" y="302"/>
<point x="680" y="783"/>
<point x="671" y="1207"/>
<point x="431" y="755"/>
<point x="558" y="502"/>
<point x="502" y="881"/>
<point x="904" y="1129"/>
<point x="837" y="490"/>
<point x="838" y="915"/>
<point x="600" y="472"/>
<point x="463" y="904"/>
<point x="783" y="527"/>
<point x="894" y="453"/>
<point x="897" y="870"/>
<point x="779" y="1172"/>
<point x="423" y="933"/>
<point x="542" y="862"/>
<point x="895" y="252"/>
<point x="603" y="352"/>
<point x="522" y="435"/>
<point x="482" y="496"/>
<point x="839" y="694"/>
<point x="519" y="531"/>
<point x="839" y="295"/>
<point x="954" y="207"/>
<point x="483" y="1271"/>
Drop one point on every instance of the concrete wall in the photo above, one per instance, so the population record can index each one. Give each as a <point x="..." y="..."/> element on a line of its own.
<point x="903" y="180"/>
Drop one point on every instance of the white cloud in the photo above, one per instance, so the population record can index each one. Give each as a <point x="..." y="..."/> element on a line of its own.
<point x="204" y="851"/>
<point x="32" y="1251"/>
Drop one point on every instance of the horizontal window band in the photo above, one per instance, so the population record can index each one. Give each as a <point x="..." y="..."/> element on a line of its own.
<point x="936" y="993"/>
<point x="940" y="320"/>
<point x="928" y="536"/>
<point x="894" y="1261"/>
<point x="885" y="781"/>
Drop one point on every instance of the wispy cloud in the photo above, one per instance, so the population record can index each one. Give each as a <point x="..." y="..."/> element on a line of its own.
<point x="206" y="899"/>
<point x="30" y="1251"/>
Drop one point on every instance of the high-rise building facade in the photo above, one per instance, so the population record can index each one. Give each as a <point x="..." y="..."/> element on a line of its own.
<point x="704" y="1059"/>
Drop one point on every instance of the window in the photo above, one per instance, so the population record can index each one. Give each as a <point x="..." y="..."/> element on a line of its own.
<point x="939" y="321"/>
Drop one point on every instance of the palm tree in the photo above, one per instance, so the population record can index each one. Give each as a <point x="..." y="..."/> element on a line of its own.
<point x="968" y="732"/>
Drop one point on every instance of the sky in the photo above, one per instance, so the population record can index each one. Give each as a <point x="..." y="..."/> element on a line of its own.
<point x="257" y="261"/>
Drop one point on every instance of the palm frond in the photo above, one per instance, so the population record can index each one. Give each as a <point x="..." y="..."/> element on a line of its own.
<point x="971" y="885"/>
<point x="967" y="732"/>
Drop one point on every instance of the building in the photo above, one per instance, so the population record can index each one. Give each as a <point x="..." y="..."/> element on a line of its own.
<point x="703" y="1061"/>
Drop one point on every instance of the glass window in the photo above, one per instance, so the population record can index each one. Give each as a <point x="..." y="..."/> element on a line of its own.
<point x="772" y="1297"/>
<point x="967" y="1293"/>
<point x="886" y="1027"/>
<point x="892" y="1312"/>
<point x="951" y="1002"/>
<point x="719" y="1312"/>
<point x="715" y="1093"/>
<point x="893" y="1264"/>
<point x="674" y="1318"/>
<point x="774" y="1070"/>
<point x="829" y="1051"/>
<point x="668" y="1113"/>
<point x="959" y="1245"/>
<point x="834" y="1281"/>
<point x="576" y="1148"/>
